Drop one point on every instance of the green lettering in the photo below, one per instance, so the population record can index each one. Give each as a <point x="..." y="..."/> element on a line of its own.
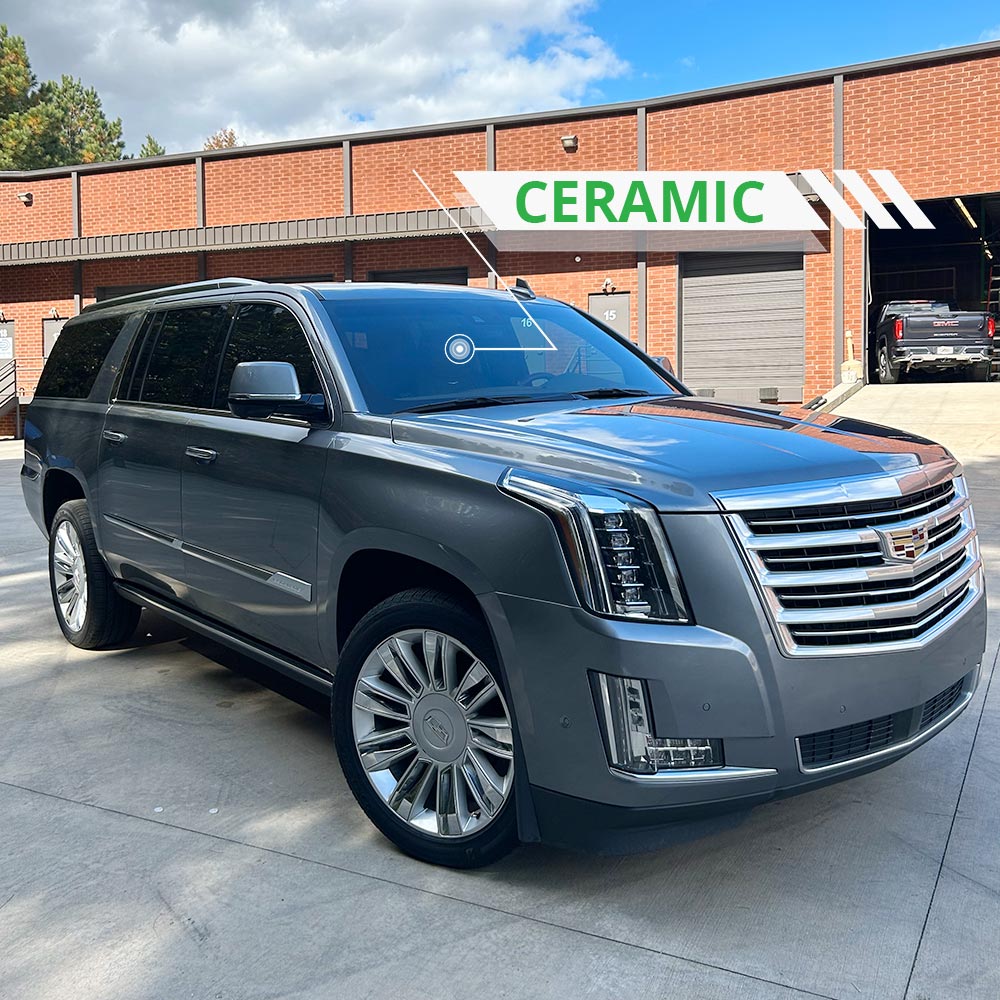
<point x="741" y="212"/>
<point x="637" y="200"/>
<point x="522" y="198"/>
<point x="672" y="200"/>
<point x="598" y="196"/>
<point x="720" y="201"/>
<point x="562" y="199"/>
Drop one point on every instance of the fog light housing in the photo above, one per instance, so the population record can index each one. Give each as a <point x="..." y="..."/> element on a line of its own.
<point x="627" y="725"/>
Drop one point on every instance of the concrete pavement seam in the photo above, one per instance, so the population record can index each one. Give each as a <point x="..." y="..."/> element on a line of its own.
<point x="429" y="892"/>
<point x="951" y="826"/>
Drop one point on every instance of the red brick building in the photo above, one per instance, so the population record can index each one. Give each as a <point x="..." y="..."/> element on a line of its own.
<point x="349" y="207"/>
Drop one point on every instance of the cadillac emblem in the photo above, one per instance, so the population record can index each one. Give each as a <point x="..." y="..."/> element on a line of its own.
<point x="905" y="544"/>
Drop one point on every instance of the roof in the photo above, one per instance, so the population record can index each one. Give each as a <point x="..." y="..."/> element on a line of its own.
<point x="538" y="117"/>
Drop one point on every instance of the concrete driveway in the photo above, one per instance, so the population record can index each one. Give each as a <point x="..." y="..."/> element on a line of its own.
<point x="170" y="827"/>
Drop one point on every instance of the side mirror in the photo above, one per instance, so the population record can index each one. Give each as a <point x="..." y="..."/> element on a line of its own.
<point x="262" y="388"/>
<point x="665" y="364"/>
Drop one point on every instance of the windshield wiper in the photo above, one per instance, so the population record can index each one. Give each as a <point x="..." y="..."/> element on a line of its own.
<point x="473" y="402"/>
<point x="616" y="392"/>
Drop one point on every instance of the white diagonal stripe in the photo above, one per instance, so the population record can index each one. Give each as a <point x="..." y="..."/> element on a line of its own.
<point x="867" y="199"/>
<point x="827" y="193"/>
<point x="900" y="197"/>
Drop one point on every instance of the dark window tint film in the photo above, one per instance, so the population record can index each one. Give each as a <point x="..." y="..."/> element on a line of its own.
<point x="265" y="332"/>
<point x="180" y="366"/>
<point x="77" y="357"/>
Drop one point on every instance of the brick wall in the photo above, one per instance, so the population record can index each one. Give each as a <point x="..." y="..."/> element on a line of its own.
<point x="786" y="130"/>
<point x="301" y="185"/>
<point x="434" y="251"/>
<point x="49" y="216"/>
<point x="606" y="143"/>
<point x="134" y="201"/>
<point x="382" y="172"/>
<point x="562" y="276"/>
<point x="318" y="261"/>
<point x="661" y="306"/>
<point x="27" y="296"/>
<point x="944" y="143"/>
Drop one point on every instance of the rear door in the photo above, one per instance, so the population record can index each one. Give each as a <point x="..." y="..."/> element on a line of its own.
<point x="251" y="493"/>
<point x="167" y="376"/>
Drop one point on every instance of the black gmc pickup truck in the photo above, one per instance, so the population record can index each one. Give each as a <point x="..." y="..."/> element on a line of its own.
<point x="932" y="335"/>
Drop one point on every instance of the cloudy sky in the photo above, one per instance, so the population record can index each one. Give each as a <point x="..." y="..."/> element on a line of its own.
<point x="181" y="69"/>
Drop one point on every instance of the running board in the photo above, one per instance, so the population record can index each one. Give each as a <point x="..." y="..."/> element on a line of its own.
<point x="297" y="670"/>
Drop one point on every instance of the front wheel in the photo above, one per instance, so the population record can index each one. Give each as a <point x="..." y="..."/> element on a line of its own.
<point x="423" y="730"/>
<point x="90" y="612"/>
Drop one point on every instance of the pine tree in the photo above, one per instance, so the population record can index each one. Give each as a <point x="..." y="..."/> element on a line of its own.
<point x="150" y="147"/>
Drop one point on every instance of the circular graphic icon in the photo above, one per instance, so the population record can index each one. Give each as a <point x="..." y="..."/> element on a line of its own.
<point x="459" y="349"/>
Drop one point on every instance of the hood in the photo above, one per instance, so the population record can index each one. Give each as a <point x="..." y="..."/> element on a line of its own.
<point x="675" y="451"/>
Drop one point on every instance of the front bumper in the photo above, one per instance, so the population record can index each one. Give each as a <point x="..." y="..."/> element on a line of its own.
<point x="725" y="678"/>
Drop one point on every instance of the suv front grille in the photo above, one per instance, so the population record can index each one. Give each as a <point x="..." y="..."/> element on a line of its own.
<point x="832" y="575"/>
<point x="846" y="743"/>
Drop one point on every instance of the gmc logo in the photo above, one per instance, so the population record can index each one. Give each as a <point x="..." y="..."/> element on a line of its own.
<point x="945" y="322"/>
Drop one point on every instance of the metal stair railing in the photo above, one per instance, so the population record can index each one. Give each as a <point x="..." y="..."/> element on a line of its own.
<point x="8" y="393"/>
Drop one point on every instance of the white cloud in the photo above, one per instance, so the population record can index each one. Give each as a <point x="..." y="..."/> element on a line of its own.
<point x="181" y="69"/>
<point x="990" y="34"/>
<point x="687" y="62"/>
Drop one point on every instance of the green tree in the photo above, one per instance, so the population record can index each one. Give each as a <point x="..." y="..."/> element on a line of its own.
<point x="55" y="124"/>
<point x="225" y="138"/>
<point x="150" y="147"/>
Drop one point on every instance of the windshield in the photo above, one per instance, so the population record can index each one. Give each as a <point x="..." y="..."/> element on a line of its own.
<point x="425" y="348"/>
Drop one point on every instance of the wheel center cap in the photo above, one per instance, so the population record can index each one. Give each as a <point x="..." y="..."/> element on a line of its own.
<point x="439" y="728"/>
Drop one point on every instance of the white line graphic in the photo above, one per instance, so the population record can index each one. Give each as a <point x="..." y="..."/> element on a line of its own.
<point x="900" y="197"/>
<point x="867" y="199"/>
<point x="842" y="212"/>
<point x="460" y="348"/>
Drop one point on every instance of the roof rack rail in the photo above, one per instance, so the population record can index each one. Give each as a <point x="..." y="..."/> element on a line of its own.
<point x="523" y="289"/>
<point x="170" y="290"/>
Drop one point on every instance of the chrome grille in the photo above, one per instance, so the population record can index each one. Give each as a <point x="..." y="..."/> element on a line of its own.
<point x="828" y="572"/>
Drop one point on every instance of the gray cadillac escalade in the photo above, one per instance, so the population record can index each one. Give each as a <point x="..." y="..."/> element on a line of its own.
<point x="551" y="594"/>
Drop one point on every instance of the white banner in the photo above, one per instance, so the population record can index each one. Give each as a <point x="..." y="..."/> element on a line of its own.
<point x="544" y="201"/>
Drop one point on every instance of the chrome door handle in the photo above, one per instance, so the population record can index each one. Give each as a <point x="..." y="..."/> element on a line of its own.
<point x="202" y="454"/>
<point x="115" y="437"/>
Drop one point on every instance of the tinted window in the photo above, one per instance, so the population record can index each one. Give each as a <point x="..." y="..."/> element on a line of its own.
<point x="77" y="357"/>
<point x="179" y="357"/>
<point x="397" y="343"/>
<point x="263" y="332"/>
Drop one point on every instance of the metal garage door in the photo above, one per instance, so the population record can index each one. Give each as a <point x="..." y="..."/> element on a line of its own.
<point x="743" y="325"/>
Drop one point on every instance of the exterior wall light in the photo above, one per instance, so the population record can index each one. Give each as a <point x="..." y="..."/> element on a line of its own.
<point x="570" y="143"/>
<point x="25" y="198"/>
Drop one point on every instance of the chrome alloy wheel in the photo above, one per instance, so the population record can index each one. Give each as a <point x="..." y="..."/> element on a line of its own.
<point x="70" y="574"/>
<point x="433" y="733"/>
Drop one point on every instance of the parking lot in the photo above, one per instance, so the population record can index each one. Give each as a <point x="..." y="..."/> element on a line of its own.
<point x="175" y="824"/>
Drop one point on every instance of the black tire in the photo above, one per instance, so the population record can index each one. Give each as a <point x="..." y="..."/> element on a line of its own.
<point x="980" y="372"/>
<point x="887" y="374"/>
<point x="418" y="609"/>
<point x="109" y="618"/>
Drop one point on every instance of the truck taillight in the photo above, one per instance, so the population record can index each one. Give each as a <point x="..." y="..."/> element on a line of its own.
<point x="991" y="326"/>
<point x="899" y="329"/>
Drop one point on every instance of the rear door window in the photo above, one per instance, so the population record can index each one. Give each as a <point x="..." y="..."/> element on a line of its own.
<point x="176" y="363"/>
<point x="78" y="355"/>
<point x="266" y="332"/>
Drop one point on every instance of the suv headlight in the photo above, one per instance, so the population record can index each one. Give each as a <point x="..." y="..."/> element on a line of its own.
<point x="617" y="553"/>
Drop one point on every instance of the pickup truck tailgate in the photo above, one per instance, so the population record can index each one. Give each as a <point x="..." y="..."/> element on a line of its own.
<point x="936" y="330"/>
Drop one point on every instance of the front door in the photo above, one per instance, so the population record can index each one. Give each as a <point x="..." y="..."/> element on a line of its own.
<point x="251" y="493"/>
<point x="142" y="445"/>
